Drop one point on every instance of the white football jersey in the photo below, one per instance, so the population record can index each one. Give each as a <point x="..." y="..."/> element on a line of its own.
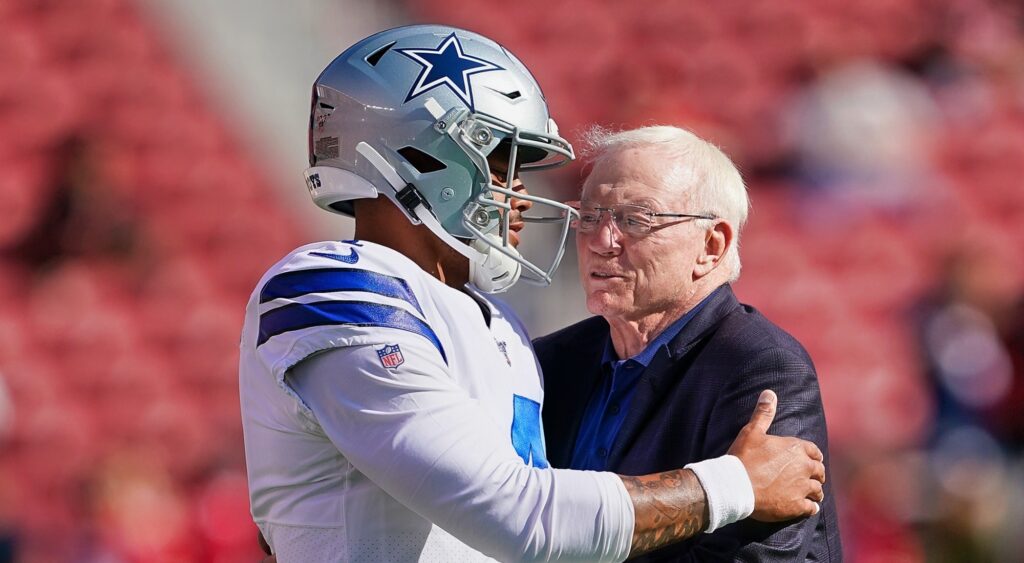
<point x="389" y="417"/>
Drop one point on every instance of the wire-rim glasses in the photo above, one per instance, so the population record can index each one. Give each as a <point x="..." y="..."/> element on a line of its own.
<point x="635" y="220"/>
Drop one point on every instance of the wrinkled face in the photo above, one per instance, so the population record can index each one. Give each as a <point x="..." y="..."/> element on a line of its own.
<point x="629" y="277"/>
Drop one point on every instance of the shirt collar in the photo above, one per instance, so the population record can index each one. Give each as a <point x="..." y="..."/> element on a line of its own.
<point x="647" y="354"/>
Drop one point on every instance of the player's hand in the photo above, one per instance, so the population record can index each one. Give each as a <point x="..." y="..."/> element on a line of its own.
<point x="787" y="473"/>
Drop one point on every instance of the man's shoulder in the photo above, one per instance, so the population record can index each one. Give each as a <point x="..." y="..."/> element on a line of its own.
<point x="332" y="266"/>
<point x="345" y="255"/>
<point x="334" y="294"/>
<point x="746" y="332"/>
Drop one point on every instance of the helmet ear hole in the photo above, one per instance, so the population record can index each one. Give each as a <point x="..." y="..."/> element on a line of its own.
<point x="421" y="161"/>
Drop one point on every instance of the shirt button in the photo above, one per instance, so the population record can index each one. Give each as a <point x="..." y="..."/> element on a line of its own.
<point x="614" y="409"/>
<point x="601" y="452"/>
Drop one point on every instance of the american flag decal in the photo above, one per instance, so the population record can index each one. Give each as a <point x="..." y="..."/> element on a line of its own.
<point x="391" y="356"/>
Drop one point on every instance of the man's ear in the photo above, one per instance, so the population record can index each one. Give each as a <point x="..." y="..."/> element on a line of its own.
<point x="717" y="241"/>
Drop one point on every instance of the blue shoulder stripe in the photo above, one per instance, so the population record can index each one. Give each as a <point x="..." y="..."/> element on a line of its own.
<point x="324" y="280"/>
<point x="298" y="316"/>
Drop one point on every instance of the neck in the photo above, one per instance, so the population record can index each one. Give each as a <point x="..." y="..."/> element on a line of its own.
<point x="379" y="221"/>
<point x="630" y="335"/>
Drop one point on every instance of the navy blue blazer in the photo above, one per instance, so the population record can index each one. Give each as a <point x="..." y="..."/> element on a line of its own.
<point x="691" y="402"/>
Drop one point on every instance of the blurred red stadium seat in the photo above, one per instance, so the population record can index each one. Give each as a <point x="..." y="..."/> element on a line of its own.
<point x="106" y="361"/>
<point x="222" y="509"/>
<point x="115" y="357"/>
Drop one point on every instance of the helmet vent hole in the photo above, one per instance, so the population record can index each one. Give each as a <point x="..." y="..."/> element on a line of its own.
<point x="514" y="95"/>
<point x="374" y="57"/>
<point x="326" y="106"/>
<point x="421" y="161"/>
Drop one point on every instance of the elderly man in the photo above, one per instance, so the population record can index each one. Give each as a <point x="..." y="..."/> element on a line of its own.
<point x="668" y="372"/>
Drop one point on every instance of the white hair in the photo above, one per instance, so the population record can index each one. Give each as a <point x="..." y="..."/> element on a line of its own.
<point x="716" y="184"/>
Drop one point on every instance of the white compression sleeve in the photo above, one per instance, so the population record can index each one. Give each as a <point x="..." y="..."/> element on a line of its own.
<point x="728" y="489"/>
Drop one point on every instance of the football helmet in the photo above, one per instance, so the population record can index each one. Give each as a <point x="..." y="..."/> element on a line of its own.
<point x="419" y="114"/>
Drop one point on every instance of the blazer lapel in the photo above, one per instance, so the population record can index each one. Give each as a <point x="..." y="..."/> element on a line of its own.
<point x="579" y="374"/>
<point x="653" y="384"/>
<point x="590" y="372"/>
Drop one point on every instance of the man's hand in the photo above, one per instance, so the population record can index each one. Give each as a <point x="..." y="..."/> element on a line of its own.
<point x="787" y="473"/>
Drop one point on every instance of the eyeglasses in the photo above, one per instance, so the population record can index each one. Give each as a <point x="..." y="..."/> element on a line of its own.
<point x="635" y="220"/>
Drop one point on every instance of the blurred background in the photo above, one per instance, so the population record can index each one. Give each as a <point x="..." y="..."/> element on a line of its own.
<point x="150" y="161"/>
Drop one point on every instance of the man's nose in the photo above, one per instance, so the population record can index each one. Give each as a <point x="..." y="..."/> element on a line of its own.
<point x="606" y="238"/>
<point x="519" y="204"/>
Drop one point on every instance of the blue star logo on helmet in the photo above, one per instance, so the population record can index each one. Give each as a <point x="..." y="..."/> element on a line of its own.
<point x="447" y="66"/>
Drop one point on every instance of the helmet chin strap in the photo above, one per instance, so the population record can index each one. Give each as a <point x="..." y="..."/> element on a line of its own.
<point x="498" y="271"/>
<point x="489" y="270"/>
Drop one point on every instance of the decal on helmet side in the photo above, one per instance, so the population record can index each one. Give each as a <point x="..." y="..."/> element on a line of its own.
<point x="449" y="66"/>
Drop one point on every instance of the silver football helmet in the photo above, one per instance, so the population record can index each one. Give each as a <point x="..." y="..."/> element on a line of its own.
<point x="419" y="114"/>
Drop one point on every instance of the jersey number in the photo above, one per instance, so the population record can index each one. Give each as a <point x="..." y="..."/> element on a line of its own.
<point x="526" y="435"/>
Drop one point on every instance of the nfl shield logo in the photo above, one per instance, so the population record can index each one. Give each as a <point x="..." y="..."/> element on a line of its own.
<point x="391" y="356"/>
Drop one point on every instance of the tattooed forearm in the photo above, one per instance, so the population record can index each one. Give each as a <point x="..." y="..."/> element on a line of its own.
<point x="669" y="507"/>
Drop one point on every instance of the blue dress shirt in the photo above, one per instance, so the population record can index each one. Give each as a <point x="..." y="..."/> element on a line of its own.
<point x="607" y="408"/>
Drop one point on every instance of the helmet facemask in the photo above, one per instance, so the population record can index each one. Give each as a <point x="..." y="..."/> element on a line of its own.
<point x="500" y="150"/>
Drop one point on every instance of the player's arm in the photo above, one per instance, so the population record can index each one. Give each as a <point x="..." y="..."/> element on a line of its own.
<point x="785" y="474"/>
<point x="419" y="436"/>
<point x="436" y="450"/>
<point x="672" y="506"/>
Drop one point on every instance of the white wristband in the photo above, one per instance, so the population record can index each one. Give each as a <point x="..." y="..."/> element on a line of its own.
<point x="728" y="489"/>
